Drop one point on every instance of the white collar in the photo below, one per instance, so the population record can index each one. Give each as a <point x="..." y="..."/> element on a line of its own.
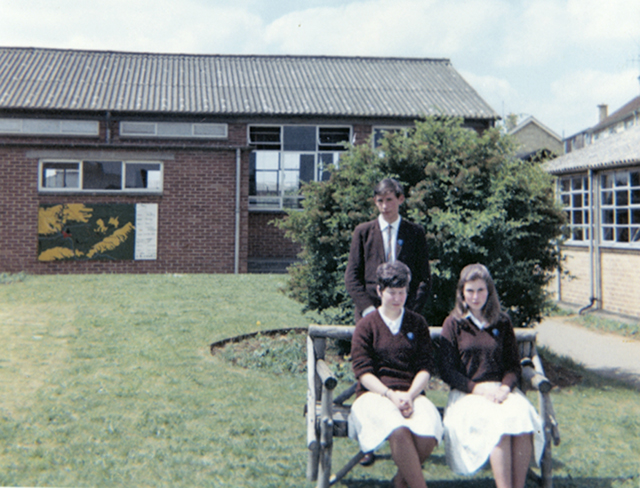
<point x="474" y="319"/>
<point x="384" y="224"/>
<point x="394" y="325"/>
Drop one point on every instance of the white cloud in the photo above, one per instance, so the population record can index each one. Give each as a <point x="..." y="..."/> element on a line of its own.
<point x="497" y="92"/>
<point x="425" y="28"/>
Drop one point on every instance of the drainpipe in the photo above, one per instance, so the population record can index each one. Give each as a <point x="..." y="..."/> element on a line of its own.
<point x="236" y="261"/>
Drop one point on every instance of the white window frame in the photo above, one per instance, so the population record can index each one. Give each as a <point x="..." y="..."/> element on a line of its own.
<point x="80" y="175"/>
<point x="173" y="130"/>
<point x="619" y="195"/>
<point x="285" y="199"/>
<point x="575" y="197"/>
<point x="49" y="127"/>
<point x="388" y="128"/>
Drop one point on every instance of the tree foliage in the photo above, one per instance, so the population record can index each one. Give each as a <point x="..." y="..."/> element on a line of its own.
<point x="475" y="200"/>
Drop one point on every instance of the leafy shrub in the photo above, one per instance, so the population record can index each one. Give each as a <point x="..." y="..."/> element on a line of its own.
<point x="475" y="199"/>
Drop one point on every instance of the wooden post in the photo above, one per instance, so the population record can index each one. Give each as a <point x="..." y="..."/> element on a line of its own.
<point x="326" y="437"/>
<point x="312" y="434"/>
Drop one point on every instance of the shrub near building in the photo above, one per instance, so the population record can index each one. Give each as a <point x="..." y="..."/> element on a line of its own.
<point x="475" y="199"/>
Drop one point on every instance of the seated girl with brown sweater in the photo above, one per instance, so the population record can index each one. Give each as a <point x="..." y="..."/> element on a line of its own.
<point x="487" y="417"/>
<point x="392" y="358"/>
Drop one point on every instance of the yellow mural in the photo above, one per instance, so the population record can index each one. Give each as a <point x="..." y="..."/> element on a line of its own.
<point x="113" y="241"/>
<point x="78" y="231"/>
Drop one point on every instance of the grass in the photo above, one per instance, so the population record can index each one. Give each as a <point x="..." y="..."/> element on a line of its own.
<point x="108" y="381"/>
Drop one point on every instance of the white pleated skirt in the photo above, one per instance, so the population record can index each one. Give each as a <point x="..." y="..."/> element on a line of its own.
<point x="374" y="417"/>
<point x="473" y="426"/>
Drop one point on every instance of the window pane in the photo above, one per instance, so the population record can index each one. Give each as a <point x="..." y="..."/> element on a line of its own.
<point x="102" y="175"/>
<point x="577" y="234"/>
<point x="331" y="138"/>
<point x="586" y="216"/>
<point x="576" y="183"/>
<point x="265" y="137"/>
<point x="325" y="161"/>
<point x="577" y="217"/>
<point x="143" y="175"/>
<point x="60" y="175"/>
<point x="635" y="197"/>
<point x="607" y="233"/>
<point x="291" y="182"/>
<point x="607" y="198"/>
<point x="634" y="178"/>
<point x="267" y="183"/>
<point x="622" y="178"/>
<point x="606" y="181"/>
<point x="307" y="167"/>
<point x="565" y="184"/>
<point x="566" y="200"/>
<point x="622" y="198"/>
<point x="266" y="160"/>
<point x="635" y="216"/>
<point x="607" y="217"/>
<point x="622" y="216"/>
<point x="635" y="234"/>
<point x="299" y="138"/>
<point x="577" y="200"/>
<point x="622" y="234"/>
<point x="291" y="161"/>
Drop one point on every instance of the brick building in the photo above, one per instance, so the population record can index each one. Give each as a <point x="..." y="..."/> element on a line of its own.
<point x="599" y="187"/>
<point x="145" y="163"/>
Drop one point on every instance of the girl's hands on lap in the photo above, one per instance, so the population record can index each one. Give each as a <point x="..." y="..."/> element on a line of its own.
<point x="494" y="392"/>
<point x="403" y="401"/>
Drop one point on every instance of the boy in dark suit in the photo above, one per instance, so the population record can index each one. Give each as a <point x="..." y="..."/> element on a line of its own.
<point x="386" y="239"/>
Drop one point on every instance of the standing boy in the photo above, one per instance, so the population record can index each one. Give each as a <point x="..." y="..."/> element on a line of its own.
<point x="386" y="239"/>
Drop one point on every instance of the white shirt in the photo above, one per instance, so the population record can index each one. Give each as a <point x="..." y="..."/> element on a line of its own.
<point x="394" y="236"/>
<point x="394" y="325"/>
<point x="474" y="319"/>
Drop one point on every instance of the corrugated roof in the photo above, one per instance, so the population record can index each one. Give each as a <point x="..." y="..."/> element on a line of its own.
<point x="53" y="79"/>
<point x="619" y="149"/>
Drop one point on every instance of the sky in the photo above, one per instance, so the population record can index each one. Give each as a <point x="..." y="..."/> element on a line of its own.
<point x="556" y="60"/>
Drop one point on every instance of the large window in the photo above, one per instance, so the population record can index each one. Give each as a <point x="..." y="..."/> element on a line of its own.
<point x="285" y="157"/>
<point x="92" y="176"/>
<point x="620" y="207"/>
<point x="574" y="195"/>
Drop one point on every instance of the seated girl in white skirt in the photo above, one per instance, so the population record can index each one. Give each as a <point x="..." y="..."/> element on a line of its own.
<point x="487" y="417"/>
<point x="392" y="358"/>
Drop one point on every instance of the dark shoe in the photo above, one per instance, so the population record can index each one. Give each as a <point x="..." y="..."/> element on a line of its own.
<point x="368" y="459"/>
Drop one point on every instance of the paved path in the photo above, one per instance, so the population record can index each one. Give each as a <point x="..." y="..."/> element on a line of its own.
<point x="606" y="354"/>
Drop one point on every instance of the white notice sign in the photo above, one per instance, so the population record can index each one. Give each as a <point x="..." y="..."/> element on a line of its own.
<point x="146" y="245"/>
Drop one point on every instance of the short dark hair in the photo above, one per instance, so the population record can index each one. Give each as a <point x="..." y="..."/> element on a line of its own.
<point x="472" y="272"/>
<point x="393" y="275"/>
<point x="388" y="185"/>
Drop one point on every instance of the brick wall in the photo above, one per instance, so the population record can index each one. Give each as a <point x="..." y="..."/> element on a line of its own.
<point x="266" y="241"/>
<point x="576" y="287"/>
<point x="620" y="281"/>
<point x="196" y="215"/>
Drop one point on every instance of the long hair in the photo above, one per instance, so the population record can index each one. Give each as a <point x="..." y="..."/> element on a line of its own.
<point x="492" y="308"/>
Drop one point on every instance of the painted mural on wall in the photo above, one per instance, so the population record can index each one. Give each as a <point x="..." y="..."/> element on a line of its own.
<point x="78" y="231"/>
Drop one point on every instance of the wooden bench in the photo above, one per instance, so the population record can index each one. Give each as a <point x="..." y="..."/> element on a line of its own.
<point x="327" y="416"/>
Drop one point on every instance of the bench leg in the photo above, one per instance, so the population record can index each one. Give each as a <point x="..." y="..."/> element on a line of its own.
<point x="347" y="467"/>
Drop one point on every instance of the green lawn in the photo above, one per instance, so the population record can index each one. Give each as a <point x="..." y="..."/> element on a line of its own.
<point x="108" y="381"/>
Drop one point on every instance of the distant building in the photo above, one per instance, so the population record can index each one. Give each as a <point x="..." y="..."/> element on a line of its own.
<point x="536" y="141"/>
<point x="622" y="119"/>
<point x="599" y="187"/>
<point x="144" y="163"/>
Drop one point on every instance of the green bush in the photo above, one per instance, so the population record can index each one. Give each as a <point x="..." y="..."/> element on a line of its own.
<point x="475" y="199"/>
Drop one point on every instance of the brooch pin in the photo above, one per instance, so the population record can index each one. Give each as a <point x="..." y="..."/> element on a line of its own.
<point x="495" y="332"/>
<point x="410" y="336"/>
